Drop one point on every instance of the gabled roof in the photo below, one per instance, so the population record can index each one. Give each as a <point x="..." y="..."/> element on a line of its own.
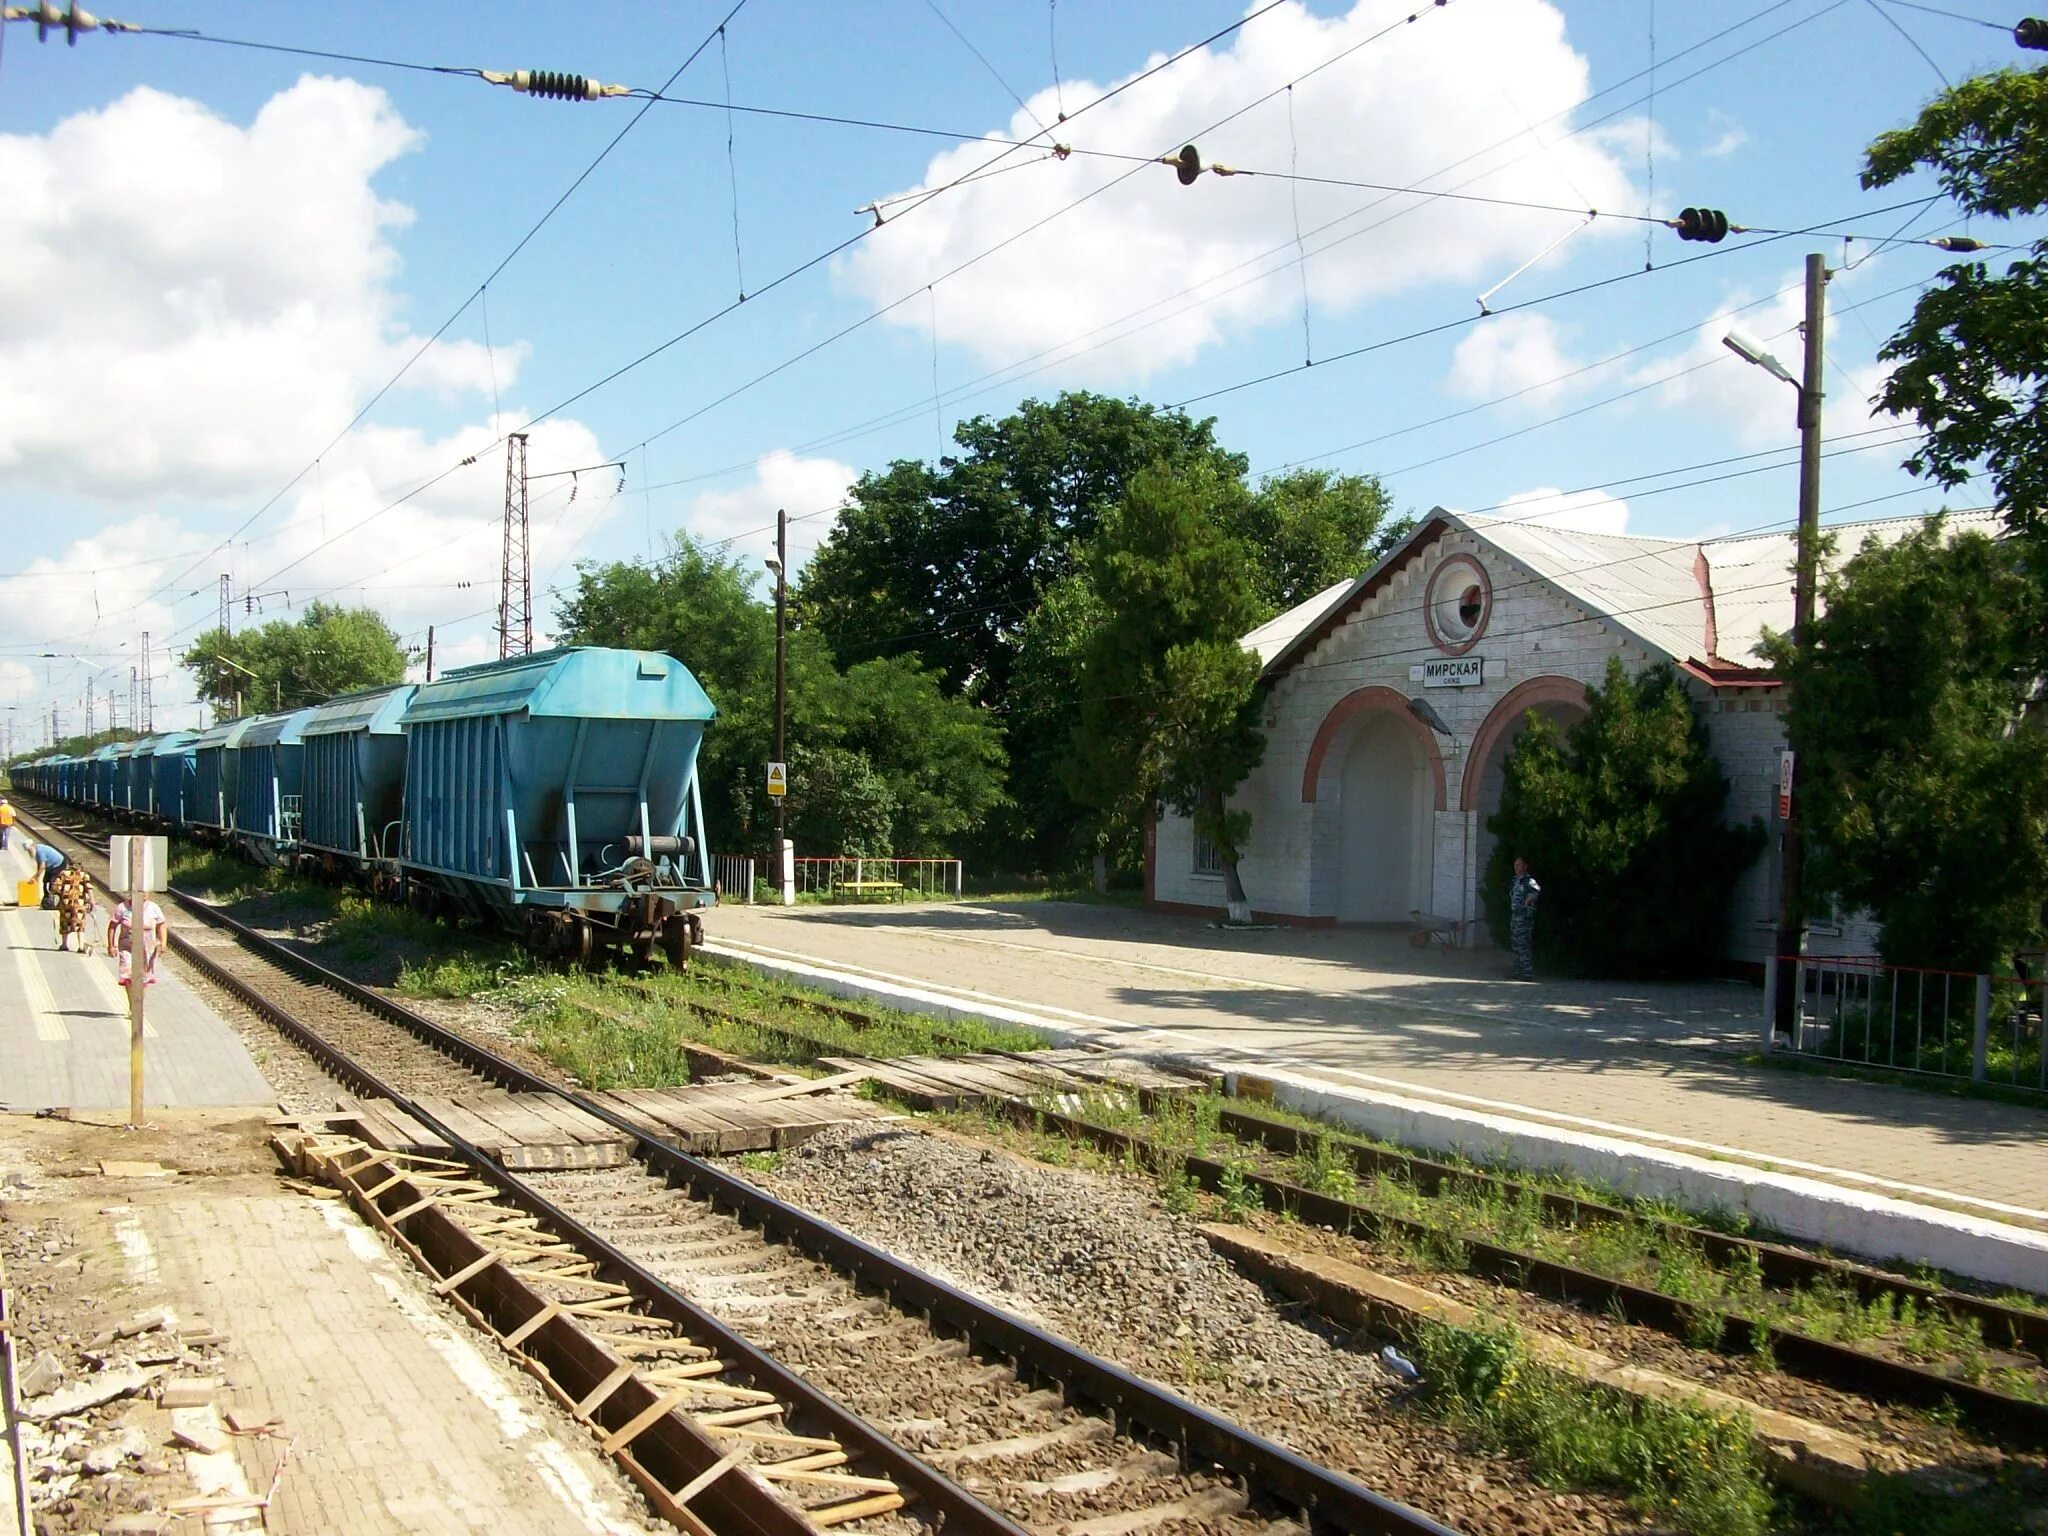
<point x="1703" y="604"/>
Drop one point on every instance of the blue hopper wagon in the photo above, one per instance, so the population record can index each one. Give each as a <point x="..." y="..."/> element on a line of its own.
<point x="101" y="775"/>
<point x="270" y="759"/>
<point x="171" y="772"/>
<point x="557" y="793"/>
<point x="353" y="795"/>
<point x="131" y="778"/>
<point x="210" y="807"/>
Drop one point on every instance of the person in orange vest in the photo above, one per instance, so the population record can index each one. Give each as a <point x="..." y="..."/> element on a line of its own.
<point x="6" y="823"/>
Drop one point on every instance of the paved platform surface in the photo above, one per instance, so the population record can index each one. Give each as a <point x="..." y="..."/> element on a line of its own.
<point x="1646" y="1062"/>
<point x="400" y="1420"/>
<point x="64" y="1024"/>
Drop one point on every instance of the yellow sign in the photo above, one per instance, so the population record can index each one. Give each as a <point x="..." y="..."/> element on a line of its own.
<point x="778" y="780"/>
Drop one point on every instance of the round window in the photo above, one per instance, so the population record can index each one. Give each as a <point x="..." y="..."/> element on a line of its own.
<point x="1457" y="604"/>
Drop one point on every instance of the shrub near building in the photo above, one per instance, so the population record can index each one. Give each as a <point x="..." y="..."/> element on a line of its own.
<point x="1621" y="820"/>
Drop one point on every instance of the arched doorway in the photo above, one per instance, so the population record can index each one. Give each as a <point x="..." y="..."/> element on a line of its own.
<point x="1383" y="842"/>
<point x="1561" y="700"/>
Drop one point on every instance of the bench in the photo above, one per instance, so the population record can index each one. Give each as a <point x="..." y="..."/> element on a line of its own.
<point x="870" y="885"/>
<point x="1429" y="928"/>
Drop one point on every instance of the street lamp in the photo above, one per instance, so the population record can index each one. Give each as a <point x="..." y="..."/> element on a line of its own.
<point x="215" y="656"/>
<point x="1781" y="971"/>
<point x="778" y="565"/>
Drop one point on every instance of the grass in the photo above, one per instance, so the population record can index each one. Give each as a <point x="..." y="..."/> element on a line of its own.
<point x="1682" y="1466"/>
<point x="1636" y="1247"/>
<point x="616" y="1032"/>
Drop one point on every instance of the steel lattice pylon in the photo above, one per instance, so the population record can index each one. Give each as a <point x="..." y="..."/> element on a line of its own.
<point x="515" y="583"/>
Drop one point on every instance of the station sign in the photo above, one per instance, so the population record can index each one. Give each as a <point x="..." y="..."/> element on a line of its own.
<point x="1451" y="672"/>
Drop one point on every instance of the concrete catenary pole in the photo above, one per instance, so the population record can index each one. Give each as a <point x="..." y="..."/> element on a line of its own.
<point x="138" y="975"/>
<point x="1792" y="861"/>
<point x="784" y="870"/>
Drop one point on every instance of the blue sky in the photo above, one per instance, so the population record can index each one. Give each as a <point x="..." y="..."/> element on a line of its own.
<point x="222" y="253"/>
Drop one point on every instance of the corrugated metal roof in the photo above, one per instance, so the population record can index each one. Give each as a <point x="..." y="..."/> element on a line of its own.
<point x="1690" y="600"/>
<point x="1276" y="634"/>
<point x="587" y="682"/>
<point x="376" y="710"/>
<point x="288" y="729"/>
<point x="228" y="733"/>
<point x="1650" y="587"/>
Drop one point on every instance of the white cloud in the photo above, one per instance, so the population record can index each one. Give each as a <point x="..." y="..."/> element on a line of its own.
<point x="1393" y="113"/>
<point x="191" y="307"/>
<point x="1581" y="511"/>
<point x="1761" y="411"/>
<point x="1729" y="135"/>
<point x="1507" y="354"/>
<point x="810" y="490"/>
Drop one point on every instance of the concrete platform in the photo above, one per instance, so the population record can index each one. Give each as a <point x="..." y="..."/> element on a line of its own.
<point x="64" y="1024"/>
<point x="393" y="1418"/>
<point x="1638" y="1085"/>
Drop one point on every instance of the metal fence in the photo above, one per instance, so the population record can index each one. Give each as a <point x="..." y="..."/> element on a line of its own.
<point x="734" y="874"/>
<point x="1860" y="1011"/>
<point x="850" y="877"/>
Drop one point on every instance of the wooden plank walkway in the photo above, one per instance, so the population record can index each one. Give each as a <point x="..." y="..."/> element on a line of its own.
<point x="527" y="1132"/>
<point x="948" y="1082"/>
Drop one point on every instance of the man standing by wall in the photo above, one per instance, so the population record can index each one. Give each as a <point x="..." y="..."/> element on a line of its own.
<point x="1523" y="895"/>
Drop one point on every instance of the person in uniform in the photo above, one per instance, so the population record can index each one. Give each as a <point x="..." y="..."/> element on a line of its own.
<point x="1523" y="895"/>
<point x="74" y="905"/>
<point x="6" y="823"/>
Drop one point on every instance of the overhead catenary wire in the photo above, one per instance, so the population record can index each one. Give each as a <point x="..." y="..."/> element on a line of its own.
<point x="441" y="330"/>
<point x="785" y="277"/>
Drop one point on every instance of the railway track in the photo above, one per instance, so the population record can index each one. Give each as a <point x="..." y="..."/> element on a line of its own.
<point x="829" y="1336"/>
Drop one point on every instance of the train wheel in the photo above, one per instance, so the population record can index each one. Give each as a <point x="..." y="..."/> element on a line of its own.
<point x="582" y="941"/>
<point x="675" y="942"/>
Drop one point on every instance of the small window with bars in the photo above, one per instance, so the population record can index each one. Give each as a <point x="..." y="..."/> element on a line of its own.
<point x="1207" y="860"/>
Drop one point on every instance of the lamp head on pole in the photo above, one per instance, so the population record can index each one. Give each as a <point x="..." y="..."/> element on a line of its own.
<point x="774" y="567"/>
<point x="1750" y="350"/>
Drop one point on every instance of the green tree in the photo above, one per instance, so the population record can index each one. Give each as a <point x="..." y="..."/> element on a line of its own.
<point x="1972" y="362"/>
<point x="1308" y="529"/>
<point x="1620" y="819"/>
<point x="288" y="664"/>
<point x="948" y="563"/>
<point x="1923" y="769"/>
<point x="929" y="767"/>
<point x="1168" y="706"/>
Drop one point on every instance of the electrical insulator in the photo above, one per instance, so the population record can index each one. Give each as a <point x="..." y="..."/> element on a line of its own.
<point x="554" y="84"/>
<point x="2031" y="33"/>
<point x="1187" y="165"/>
<point x="1708" y="224"/>
<point x="1958" y="243"/>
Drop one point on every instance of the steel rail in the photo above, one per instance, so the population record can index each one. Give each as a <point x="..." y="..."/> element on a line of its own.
<point x="1328" y="1501"/>
<point x="2003" y="1415"/>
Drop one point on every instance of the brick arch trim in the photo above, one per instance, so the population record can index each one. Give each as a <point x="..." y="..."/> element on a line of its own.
<point x="1517" y="701"/>
<point x="1373" y="700"/>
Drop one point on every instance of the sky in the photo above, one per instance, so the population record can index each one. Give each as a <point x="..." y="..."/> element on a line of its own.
<point x="272" y="316"/>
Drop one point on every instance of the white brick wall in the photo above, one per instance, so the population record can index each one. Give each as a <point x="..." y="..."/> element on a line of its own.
<point x="1291" y="864"/>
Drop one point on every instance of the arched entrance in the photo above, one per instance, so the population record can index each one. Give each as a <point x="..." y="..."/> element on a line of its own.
<point x="1561" y="700"/>
<point x="1383" y="842"/>
<point x="1375" y="778"/>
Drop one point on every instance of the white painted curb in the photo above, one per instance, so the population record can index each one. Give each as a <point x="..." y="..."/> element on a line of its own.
<point x="1861" y="1223"/>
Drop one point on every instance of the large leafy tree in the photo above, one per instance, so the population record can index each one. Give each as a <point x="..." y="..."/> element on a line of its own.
<point x="288" y="664"/>
<point x="1923" y="769"/>
<point x="1620" y="819"/>
<point x="949" y="562"/>
<point x="878" y="754"/>
<point x="1972" y="362"/>
<point x="1168" y="706"/>
<point x="1309" y="528"/>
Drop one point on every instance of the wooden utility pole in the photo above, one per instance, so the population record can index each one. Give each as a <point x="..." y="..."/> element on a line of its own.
<point x="430" y="653"/>
<point x="1791" y="940"/>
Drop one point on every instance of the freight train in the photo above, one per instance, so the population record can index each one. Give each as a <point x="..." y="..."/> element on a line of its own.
<point x="554" y="794"/>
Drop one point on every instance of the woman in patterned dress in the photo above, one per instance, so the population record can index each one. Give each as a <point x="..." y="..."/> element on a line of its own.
<point x="74" y="905"/>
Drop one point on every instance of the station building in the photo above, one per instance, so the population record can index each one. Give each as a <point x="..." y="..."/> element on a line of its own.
<point x="1392" y="700"/>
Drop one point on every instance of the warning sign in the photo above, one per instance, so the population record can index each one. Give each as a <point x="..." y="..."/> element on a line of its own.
<point x="778" y="780"/>
<point x="1785" y="785"/>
